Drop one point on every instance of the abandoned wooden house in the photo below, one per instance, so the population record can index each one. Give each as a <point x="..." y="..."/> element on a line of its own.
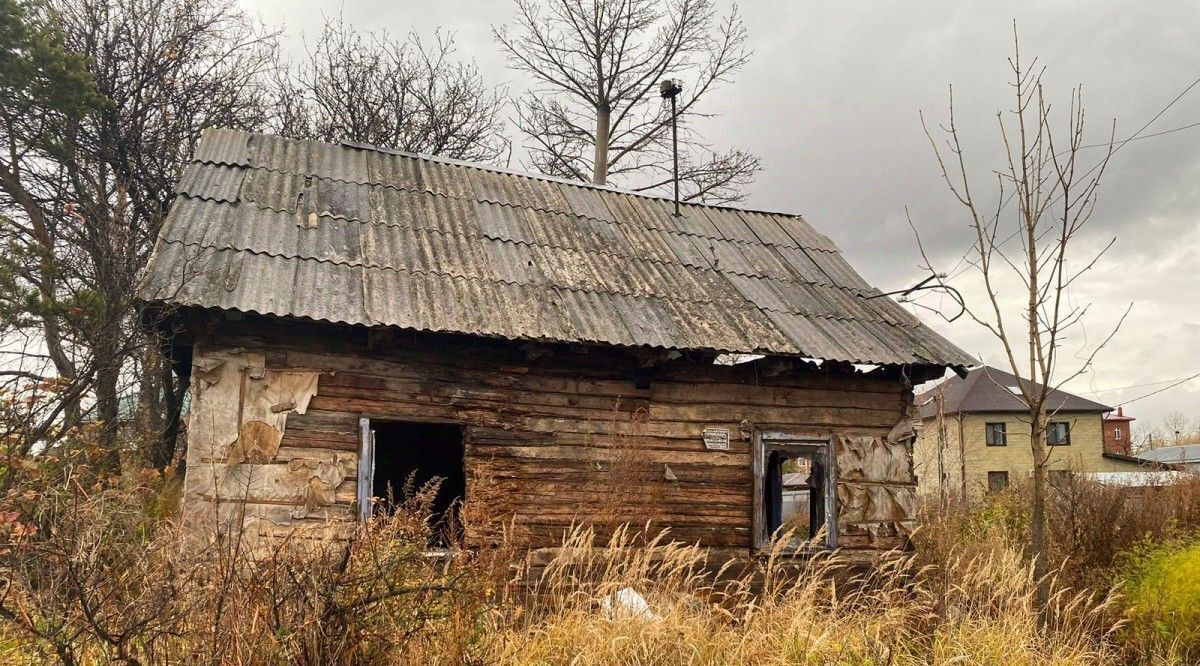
<point x="351" y="316"/>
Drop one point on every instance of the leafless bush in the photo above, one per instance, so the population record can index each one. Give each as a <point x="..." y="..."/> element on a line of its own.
<point x="89" y="573"/>
<point x="1091" y="525"/>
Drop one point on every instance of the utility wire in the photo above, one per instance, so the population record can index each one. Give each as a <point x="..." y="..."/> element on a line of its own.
<point x="960" y="269"/>
<point x="1118" y="389"/>
<point x="1165" y="388"/>
<point x="1147" y="136"/>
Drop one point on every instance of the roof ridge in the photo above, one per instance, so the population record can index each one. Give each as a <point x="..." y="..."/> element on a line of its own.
<point x="833" y="249"/>
<point x="543" y="177"/>
<point x="355" y="145"/>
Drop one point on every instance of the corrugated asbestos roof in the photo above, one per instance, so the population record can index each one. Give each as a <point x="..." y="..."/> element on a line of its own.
<point x="988" y="389"/>
<point x="361" y="235"/>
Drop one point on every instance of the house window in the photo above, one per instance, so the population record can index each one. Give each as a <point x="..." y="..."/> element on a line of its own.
<point x="997" y="481"/>
<point x="1058" y="433"/>
<point x="997" y="434"/>
<point x="398" y="459"/>
<point x="1117" y="434"/>
<point x="794" y="491"/>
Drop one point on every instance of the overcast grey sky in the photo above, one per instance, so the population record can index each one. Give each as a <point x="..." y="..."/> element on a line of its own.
<point x="830" y="102"/>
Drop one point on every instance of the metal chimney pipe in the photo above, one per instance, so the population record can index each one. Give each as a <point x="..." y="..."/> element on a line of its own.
<point x="670" y="89"/>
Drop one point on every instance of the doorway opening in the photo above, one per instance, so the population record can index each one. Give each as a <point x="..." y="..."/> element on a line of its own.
<point x="407" y="456"/>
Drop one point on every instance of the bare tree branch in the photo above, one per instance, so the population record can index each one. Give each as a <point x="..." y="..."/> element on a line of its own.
<point x="405" y="94"/>
<point x="594" y="112"/>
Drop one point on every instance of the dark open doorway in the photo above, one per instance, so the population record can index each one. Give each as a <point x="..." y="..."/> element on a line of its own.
<point x="421" y="452"/>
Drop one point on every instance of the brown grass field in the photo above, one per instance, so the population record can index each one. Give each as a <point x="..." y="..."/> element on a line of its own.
<point x="95" y="572"/>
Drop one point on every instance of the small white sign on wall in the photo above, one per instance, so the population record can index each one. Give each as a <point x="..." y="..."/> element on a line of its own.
<point x="716" y="439"/>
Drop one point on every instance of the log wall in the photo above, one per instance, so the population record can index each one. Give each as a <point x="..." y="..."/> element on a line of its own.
<point x="554" y="434"/>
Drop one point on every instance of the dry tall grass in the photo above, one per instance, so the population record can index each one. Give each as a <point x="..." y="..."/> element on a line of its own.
<point x="108" y="586"/>
<point x="93" y="574"/>
<point x="820" y="613"/>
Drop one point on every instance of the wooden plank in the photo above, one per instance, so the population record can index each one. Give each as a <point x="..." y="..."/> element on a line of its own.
<point x="739" y="395"/>
<point x="715" y="458"/>
<point x="799" y="416"/>
<point x="319" y="440"/>
<point x="654" y="492"/>
<point x="511" y="402"/>
<point x="601" y="441"/>
<point x="317" y="420"/>
<point x="687" y="475"/>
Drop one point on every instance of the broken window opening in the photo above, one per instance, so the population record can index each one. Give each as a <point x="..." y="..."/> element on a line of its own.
<point x="794" y="492"/>
<point x="402" y="458"/>
<point x="796" y="504"/>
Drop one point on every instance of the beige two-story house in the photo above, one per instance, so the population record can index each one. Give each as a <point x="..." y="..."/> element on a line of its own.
<point x="975" y="435"/>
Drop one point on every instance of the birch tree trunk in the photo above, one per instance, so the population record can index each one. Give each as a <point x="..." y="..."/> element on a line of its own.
<point x="600" y="167"/>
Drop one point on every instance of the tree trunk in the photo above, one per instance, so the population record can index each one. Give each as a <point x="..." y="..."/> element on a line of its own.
<point x="62" y="364"/>
<point x="1037" y="516"/>
<point x="165" y="442"/>
<point x="151" y="407"/>
<point x="943" y="477"/>
<point x="600" y="167"/>
<point x="108" y="373"/>
<point x="10" y="181"/>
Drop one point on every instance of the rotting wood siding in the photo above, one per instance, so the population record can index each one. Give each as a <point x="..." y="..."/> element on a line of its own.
<point x="559" y="437"/>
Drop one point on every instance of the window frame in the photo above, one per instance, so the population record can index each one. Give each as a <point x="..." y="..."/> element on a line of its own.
<point x="1004" y="474"/>
<point x="987" y="433"/>
<point x="763" y="443"/>
<point x="1066" y="425"/>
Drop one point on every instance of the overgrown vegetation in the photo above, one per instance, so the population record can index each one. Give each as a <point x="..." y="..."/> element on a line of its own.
<point x="95" y="571"/>
<point x="98" y="569"/>
<point x="1135" y="544"/>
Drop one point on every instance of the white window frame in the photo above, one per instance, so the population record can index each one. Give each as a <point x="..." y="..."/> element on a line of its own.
<point x="763" y="443"/>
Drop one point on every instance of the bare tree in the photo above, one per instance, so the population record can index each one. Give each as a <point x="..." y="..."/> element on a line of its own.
<point x="85" y="197"/>
<point x="405" y="94"/>
<point x="1028" y="307"/>
<point x="594" y="113"/>
<point x="1179" y="429"/>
